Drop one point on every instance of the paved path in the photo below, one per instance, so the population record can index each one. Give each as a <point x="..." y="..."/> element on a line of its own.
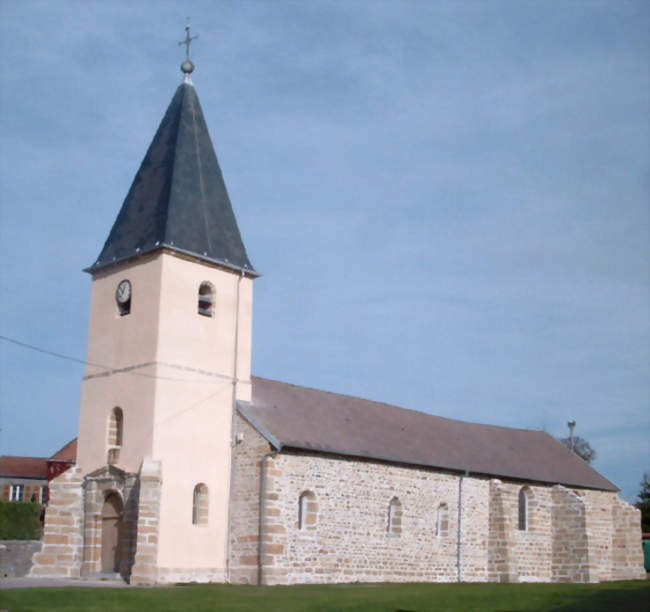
<point x="26" y="583"/>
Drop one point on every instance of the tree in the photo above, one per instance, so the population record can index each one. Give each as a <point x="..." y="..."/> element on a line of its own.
<point x="644" y="503"/>
<point x="581" y="447"/>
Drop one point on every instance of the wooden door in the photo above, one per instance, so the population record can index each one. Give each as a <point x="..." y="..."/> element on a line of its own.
<point x="111" y="521"/>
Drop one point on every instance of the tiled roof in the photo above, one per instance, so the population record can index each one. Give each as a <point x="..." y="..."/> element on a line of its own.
<point x="23" y="467"/>
<point x="300" y="418"/>
<point x="178" y="199"/>
<point x="67" y="454"/>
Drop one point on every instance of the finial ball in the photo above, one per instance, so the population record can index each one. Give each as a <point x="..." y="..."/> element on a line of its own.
<point x="187" y="66"/>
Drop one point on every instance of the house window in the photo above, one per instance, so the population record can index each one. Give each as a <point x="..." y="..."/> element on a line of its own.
<point x="442" y="521"/>
<point x="307" y="510"/>
<point x="200" y="505"/>
<point x="206" y="299"/>
<point x="44" y="499"/>
<point x="523" y="509"/>
<point x="123" y="297"/>
<point x="394" y="527"/>
<point x="115" y="433"/>
<point x="16" y="492"/>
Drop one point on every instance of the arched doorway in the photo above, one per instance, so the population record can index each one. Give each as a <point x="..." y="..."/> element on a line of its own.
<point x="111" y="523"/>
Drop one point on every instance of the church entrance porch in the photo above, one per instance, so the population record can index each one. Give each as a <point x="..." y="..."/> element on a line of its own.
<point x="109" y="521"/>
<point x="111" y="529"/>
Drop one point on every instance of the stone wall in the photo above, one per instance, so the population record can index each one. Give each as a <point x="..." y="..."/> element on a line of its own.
<point x="62" y="548"/>
<point x="442" y="527"/>
<point x="244" y="503"/>
<point x="145" y="569"/>
<point x="16" y="557"/>
<point x="500" y="543"/>
<point x="350" y="540"/>
<point x="570" y="535"/>
<point x="627" y="553"/>
<point x="530" y="549"/>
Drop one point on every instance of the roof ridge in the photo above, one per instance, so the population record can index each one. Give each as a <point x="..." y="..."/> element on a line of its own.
<point x="182" y="87"/>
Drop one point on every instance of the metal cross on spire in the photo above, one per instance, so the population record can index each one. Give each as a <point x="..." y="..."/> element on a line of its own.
<point x="187" y="67"/>
<point x="187" y="41"/>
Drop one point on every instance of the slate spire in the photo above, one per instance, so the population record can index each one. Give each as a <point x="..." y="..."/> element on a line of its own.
<point x="178" y="199"/>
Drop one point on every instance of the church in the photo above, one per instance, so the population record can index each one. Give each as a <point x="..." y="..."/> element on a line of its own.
<point x="191" y="469"/>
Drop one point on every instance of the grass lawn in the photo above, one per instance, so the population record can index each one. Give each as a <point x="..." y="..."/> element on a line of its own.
<point x="615" y="596"/>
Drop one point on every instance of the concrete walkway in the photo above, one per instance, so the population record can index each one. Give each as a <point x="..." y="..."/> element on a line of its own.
<point x="26" y="583"/>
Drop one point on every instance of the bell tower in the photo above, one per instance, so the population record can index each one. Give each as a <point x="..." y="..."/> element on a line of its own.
<point x="169" y="347"/>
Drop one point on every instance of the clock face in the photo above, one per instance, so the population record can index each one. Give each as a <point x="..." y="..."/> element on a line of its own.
<point x="123" y="292"/>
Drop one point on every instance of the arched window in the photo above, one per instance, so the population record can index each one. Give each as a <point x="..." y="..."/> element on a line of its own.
<point x="115" y="430"/>
<point x="394" y="517"/>
<point x="307" y="510"/>
<point x="206" y="299"/>
<point x="442" y="521"/>
<point x="523" y="508"/>
<point x="200" y="505"/>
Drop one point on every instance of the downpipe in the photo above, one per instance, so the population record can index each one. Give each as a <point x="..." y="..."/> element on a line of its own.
<point x="459" y="543"/>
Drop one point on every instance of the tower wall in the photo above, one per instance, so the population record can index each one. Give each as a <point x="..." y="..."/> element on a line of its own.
<point x="196" y="391"/>
<point x="175" y="374"/>
<point x="126" y="346"/>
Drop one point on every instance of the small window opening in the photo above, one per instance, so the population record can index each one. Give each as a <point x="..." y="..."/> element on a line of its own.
<point x="206" y="299"/>
<point x="442" y="521"/>
<point x="394" y="527"/>
<point x="523" y="509"/>
<point x="200" y="505"/>
<point x="307" y="510"/>
<point x="115" y="433"/>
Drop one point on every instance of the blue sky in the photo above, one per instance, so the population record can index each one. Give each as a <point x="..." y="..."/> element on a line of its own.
<point x="448" y="200"/>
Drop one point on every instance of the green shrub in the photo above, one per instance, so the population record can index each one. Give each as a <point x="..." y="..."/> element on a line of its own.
<point x="20" y="520"/>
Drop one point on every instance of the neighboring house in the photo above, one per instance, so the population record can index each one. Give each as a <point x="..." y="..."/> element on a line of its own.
<point x="62" y="460"/>
<point x="191" y="469"/>
<point x="23" y="478"/>
<point x="26" y="478"/>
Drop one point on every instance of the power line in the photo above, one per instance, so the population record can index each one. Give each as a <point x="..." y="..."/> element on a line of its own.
<point x="44" y="351"/>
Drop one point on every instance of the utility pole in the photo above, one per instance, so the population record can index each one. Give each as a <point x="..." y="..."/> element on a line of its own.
<point x="572" y="442"/>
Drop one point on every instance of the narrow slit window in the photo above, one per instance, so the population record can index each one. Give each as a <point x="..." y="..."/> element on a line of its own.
<point x="523" y="509"/>
<point x="442" y="521"/>
<point x="115" y="434"/>
<point x="200" y="505"/>
<point x="206" y="300"/>
<point x="394" y="527"/>
<point x="307" y="510"/>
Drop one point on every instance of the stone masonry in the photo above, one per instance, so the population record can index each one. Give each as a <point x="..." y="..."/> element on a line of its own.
<point x="62" y="548"/>
<point x="328" y="518"/>
<point x="572" y="535"/>
<point x="97" y="486"/>
<point x="145" y="567"/>
<point x="244" y="503"/>
<point x="16" y="557"/>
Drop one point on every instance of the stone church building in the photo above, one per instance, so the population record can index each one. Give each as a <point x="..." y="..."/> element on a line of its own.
<point x="190" y="469"/>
